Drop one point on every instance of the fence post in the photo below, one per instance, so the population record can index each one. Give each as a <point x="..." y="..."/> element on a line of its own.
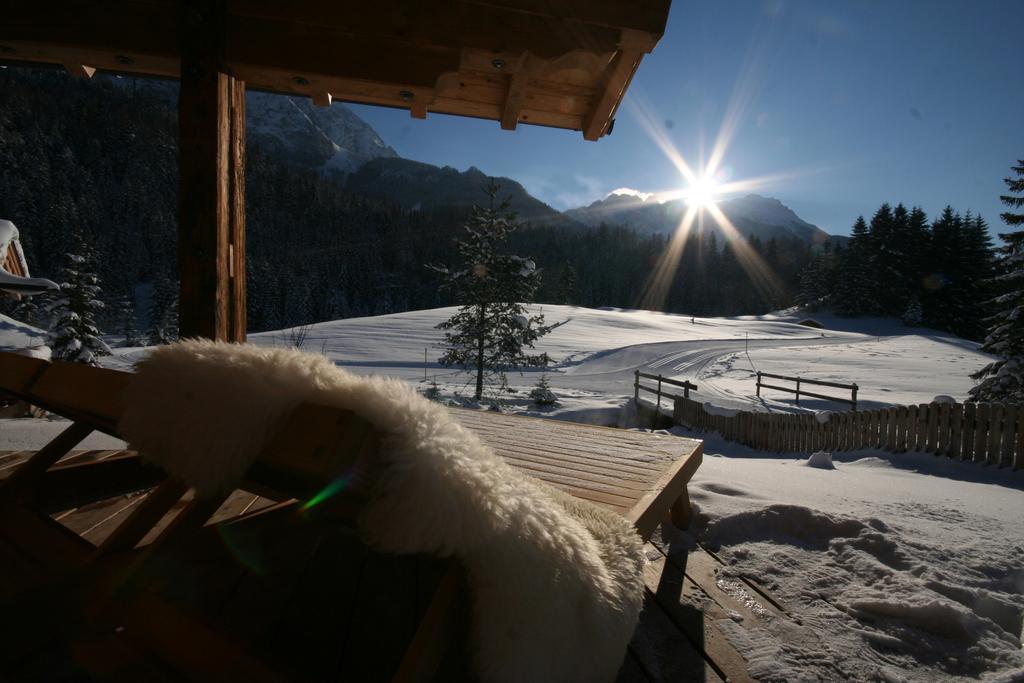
<point x="686" y="390"/>
<point x="759" y="383"/>
<point x="636" y="387"/>
<point x="657" y="405"/>
<point x="855" y="396"/>
<point x="798" y="391"/>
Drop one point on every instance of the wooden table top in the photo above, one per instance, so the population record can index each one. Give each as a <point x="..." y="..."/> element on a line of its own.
<point x="637" y="474"/>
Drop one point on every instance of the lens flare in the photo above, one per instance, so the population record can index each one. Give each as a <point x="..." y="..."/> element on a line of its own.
<point x="329" y="491"/>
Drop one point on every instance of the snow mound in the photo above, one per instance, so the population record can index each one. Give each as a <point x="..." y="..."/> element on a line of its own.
<point x="942" y="398"/>
<point x="821" y="460"/>
<point x="783" y="524"/>
<point x="712" y="409"/>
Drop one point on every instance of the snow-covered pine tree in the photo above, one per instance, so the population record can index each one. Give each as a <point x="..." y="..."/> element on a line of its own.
<point x="1003" y="379"/>
<point x="73" y="333"/>
<point x="491" y="329"/>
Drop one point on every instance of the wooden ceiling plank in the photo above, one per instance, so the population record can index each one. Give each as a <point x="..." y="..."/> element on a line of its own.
<point x="643" y="15"/>
<point x="441" y="23"/>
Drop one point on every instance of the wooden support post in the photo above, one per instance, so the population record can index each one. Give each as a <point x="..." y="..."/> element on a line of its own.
<point x="681" y="510"/>
<point x="759" y="384"/>
<point x="854" y="392"/>
<point x="636" y="386"/>
<point x="211" y="185"/>
<point x="798" y="391"/>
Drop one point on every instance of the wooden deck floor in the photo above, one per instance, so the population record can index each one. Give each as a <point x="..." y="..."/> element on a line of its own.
<point x="679" y="637"/>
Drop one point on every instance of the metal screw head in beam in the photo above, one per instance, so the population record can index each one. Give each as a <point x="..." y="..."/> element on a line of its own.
<point x="406" y="96"/>
<point x="498" y="63"/>
<point x="300" y="80"/>
<point x="123" y="59"/>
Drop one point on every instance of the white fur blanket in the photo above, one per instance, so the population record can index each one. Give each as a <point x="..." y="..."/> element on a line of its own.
<point x="556" y="582"/>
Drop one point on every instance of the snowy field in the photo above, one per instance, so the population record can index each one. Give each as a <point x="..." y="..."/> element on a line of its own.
<point x="892" y="567"/>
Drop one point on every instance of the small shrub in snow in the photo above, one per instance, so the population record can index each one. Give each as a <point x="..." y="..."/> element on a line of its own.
<point x="433" y="392"/>
<point x="942" y="398"/>
<point x="823" y="417"/>
<point x="541" y="394"/>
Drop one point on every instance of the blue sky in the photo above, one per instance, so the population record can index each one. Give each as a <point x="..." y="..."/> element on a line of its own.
<point x="848" y="104"/>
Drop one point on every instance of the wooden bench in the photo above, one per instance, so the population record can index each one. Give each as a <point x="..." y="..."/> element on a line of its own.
<point x="641" y="476"/>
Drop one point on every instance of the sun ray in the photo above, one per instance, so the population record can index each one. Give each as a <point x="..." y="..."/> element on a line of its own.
<point x="660" y="280"/>
<point x="761" y="274"/>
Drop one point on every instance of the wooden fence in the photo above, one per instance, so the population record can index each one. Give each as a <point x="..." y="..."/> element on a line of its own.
<point x="980" y="432"/>
<point x="852" y="388"/>
<point x="687" y="387"/>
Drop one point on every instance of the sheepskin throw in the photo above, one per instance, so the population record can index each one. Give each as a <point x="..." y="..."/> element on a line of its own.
<point x="556" y="582"/>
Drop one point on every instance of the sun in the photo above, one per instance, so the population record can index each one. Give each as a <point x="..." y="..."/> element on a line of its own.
<point x="702" y="192"/>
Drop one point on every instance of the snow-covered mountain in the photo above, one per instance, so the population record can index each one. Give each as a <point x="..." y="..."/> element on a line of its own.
<point x="752" y="215"/>
<point x="326" y="139"/>
<point x="416" y="185"/>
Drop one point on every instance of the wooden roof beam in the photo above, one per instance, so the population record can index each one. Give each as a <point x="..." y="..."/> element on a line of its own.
<point x="618" y="74"/>
<point x="79" y="70"/>
<point x="519" y="84"/>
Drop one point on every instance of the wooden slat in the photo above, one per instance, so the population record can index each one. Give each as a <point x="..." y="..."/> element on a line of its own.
<point x="670" y="587"/>
<point x="956" y="419"/>
<point x="1011" y="417"/>
<point x="968" y="428"/>
<point x="942" y="431"/>
<point x="981" y="427"/>
<point x="993" y="445"/>
<point x="932" y="428"/>
<point x="77" y="482"/>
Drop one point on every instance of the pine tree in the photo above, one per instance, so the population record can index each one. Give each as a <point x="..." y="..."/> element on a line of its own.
<point x="73" y="333"/>
<point x="567" y="285"/>
<point x="855" y="288"/>
<point x="126" y="323"/>
<point x="492" y="327"/>
<point x="163" y="311"/>
<point x="816" y="281"/>
<point x="1003" y="379"/>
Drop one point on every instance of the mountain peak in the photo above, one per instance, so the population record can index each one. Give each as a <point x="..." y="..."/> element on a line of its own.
<point x="326" y="139"/>
<point x="752" y="214"/>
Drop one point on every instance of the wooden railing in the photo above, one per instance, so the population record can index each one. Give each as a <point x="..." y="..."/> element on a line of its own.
<point x="980" y="432"/>
<point x="851" y="387"/>
<point x="687" y="387"/>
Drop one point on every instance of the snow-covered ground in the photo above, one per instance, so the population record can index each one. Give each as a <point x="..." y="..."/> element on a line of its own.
<point x="892" y="567"/>
<point x="897" y="567"/>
